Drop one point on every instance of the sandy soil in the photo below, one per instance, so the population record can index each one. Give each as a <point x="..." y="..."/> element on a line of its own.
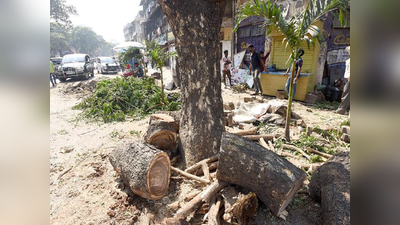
<point x="84" y="188"/>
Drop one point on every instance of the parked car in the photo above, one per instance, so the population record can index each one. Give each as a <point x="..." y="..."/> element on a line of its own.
<point x="75" y="66"/>
<point x="106" y="65"/>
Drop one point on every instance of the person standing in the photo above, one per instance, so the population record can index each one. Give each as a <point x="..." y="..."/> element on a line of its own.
<point x="255" y="69"/>
<point x="226" y="70"/>
<point x="146" y="61"/>
<point x="264" y="59"/>
<point x="299" y="65"/>
<point x="52" y="71"/>
<point x="345" y="104"/>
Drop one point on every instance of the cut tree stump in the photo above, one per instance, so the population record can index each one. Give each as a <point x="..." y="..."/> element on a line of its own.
<point x="238" y="206"/>
<point x="274" y="179"/>
<point x="330" y="184"/>
<point x="162" y="134"/>
<point x="145" y="169"/>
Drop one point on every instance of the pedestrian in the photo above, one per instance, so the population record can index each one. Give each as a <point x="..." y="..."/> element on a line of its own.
<point x="255" y="69"/>
<point x="52" y="71"/>
<point x="264" y="58"/>
<point x="226" y="70"/>
<point x="145" y="60"/>
<point x="137" y="70"/>
<point x="345" y="104"/>
<point x="299" y="65"/>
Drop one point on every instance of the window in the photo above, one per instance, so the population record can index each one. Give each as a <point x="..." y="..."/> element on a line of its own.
<point x="245" y="32"/>
<point x="256" y="31"/>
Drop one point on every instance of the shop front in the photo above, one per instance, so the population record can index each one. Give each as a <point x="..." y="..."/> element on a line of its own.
<point x="273" y="81"/>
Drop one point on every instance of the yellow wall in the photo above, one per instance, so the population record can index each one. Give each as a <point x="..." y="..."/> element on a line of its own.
<point x="227" y="33"/>
<point x="280" y="55"/>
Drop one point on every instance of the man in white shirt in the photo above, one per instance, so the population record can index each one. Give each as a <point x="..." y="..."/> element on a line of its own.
<point x="345" y="104"/>
<point x="226" y="71"/>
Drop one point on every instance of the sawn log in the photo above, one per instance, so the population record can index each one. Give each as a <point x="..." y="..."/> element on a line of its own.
<point x="273" y="178"/>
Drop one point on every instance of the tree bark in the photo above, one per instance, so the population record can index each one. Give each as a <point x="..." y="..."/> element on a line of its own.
<point x="273" y="178"/>
<point x="196" y="27"/>
<point x="145" y="169"/>
<point x="330" y="184"/>
<point x="162" y="134"/>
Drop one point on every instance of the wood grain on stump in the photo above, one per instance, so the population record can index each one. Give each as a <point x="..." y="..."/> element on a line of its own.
<point x="145" y="169"/>
<point x="271" y="177"/>
<point x="162" y="134"/>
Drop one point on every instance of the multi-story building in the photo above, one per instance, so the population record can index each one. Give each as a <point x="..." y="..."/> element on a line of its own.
<point x="133" y="30"/>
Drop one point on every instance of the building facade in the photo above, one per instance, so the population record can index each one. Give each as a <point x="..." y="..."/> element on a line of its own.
<point x="133" y="30"/>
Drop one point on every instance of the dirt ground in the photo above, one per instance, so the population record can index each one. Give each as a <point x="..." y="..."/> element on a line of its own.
<point x="84" y="188"/>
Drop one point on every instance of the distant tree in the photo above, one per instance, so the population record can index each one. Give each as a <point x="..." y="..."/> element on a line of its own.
<point x="159" y="56"/>
<point x="60" y="12"/>
<point x="85" y="40"/>
<point x="59" y="39"/>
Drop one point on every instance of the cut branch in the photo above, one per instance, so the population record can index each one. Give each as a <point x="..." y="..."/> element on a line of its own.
<point x="190" y="176"/>
<point x="251" y="131"/>
<point x="326" y="155"/>
<point x="196" y="166"/>
<point x="296" y="149"/>
<point x="257" y="137"/>
<point x="204" y="196"/>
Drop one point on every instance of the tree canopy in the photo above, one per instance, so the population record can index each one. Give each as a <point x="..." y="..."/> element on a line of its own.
<point x="60" y="12"/>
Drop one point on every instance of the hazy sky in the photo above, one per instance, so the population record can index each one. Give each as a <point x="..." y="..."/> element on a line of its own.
<point x="106" y="17"/>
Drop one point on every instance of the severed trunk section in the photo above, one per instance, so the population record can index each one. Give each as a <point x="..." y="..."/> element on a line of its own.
<point x="145" y="169"/>
<point x="330" y="184"/>
<point x="273" y="178"/>
<point x="162" y="132"/>
<point x="196" y="27"/>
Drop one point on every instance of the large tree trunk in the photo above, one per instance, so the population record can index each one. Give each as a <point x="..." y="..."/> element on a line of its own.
<point x="245" y="163"/>
<point x="196" y="26"/>
<point x="145" y="169"/>
<point x="330" y="184"/>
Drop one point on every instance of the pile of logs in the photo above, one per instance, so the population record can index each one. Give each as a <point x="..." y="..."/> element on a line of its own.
<point x="257" y="169"/>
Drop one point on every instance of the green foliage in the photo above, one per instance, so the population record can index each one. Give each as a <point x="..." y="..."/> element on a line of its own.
<point x="315" y="158"/>
<point x="82" y="39"/>
<point x="114" y="99"/>
<point x="326" y="105"/>
<point x="60" y="11"/>
<point x="129" y="54"/>
<point x="345" y="123"/>
<point x="159" y="56"/>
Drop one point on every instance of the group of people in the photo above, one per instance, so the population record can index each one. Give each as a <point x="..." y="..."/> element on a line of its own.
<point x="257" y="65"/>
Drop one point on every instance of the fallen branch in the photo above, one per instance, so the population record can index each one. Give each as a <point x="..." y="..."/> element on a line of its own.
<point x="263" y="143"/>
<point x="313" y="166"/>
<point x="257" y="137"/>
<point x="287" y="154"/>
<point x="204" y="196"/>
<point x="296" y="149"/>
<point x="196" y="166"/>
<point x="251" y="131"/>
<point x="326" y="155"/>
<point x="206" y="171"/>
<point x="211" y="167"/>
<point x="190" y="176"/>
<point x="271" y="146"/>
<point x="216" y="204"/>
